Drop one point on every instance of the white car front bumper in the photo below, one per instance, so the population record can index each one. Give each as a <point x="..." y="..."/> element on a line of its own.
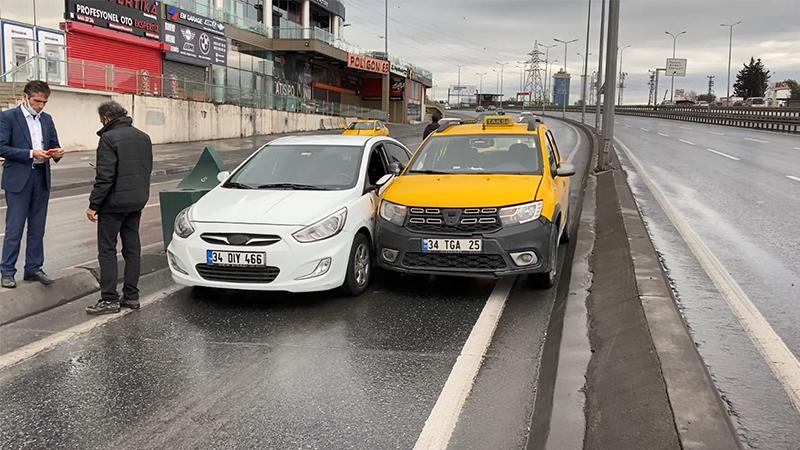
<point x="287" y="260"/>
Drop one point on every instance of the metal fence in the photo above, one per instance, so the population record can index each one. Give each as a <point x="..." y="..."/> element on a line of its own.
<point x="105" y="77"/>
<point x="773" y="119"/>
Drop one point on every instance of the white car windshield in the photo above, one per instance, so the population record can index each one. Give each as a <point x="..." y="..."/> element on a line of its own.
<point x="300" y="167"/>
<point x="485" y="154"/>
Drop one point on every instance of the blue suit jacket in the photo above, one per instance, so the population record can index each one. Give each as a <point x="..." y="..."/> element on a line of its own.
<point x="15" y="147"/>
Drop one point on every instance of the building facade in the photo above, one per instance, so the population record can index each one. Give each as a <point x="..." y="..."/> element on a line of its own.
<point x="561" y="82"/>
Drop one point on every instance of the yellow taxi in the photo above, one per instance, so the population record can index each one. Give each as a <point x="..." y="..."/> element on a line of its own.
<point x="484" y="199"/>
<point x="367" y="128"/>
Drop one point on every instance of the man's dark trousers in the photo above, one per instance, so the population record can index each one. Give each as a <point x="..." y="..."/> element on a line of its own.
<point x="28" y="205"/>
<point x="126" y="225"/>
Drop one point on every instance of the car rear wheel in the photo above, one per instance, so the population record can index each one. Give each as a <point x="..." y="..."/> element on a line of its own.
<point x="359" y="268"/>
<point x="547" y="279"/>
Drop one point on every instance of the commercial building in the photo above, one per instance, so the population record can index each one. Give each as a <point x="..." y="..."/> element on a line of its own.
<point x="276" y="54"/>
<point x="561" y="81"/>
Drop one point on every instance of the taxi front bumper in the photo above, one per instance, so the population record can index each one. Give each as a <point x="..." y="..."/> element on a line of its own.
<point x="400" y="249"/>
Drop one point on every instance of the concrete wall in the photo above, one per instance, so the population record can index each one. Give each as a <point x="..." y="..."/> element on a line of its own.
<point x="169" y="120"/>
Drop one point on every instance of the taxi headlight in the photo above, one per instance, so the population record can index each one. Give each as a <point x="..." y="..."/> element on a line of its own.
<point x="183" y="226"/>
<point x="393" y="213"/>
<point x="324" y="229"/>
<point x="525" y="213"/>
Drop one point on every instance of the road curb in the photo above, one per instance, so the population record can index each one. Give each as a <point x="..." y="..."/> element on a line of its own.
<point x="31" y="297"/>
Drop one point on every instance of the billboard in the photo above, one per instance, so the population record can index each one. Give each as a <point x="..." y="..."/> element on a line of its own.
<point x="140" y="18"/>
<point x="367" y="64"/>
<point x="199" y="40"/>
<point x="676" y="67"/>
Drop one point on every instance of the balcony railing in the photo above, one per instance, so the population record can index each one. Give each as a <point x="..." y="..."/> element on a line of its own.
<point x="105" y="77"/>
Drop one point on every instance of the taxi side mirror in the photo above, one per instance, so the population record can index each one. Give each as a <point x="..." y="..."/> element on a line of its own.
<point x="222" y="176"/>
<point x="565" y="170"/>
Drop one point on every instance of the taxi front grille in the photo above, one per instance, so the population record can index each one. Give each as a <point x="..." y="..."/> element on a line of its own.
<point x="468" y="261"/>
<point x="230" y="274"/>
<point x="453" y="220"/>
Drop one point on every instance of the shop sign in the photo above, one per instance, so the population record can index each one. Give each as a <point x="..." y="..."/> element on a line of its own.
<point x="203" y="40"/>
<point x="137" y="17"/>
<point x="403" y="71"/>
<point x="367" y="64"/>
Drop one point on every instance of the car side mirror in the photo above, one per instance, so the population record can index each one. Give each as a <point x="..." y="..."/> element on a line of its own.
<point x="565" y="170"/>
<point x="222" y="176"/>
<point x="395" y="168"/>
<point x="383" y="180"/>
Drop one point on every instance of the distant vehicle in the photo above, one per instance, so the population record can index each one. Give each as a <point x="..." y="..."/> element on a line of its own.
<point x="702" y="103"/>
<point x="448" y="107"/>
<point x="367" y="128"/>
<point x="480" y="109"/>
<point x="667" y="103"/>
<point x="756" y="102"/>
<point x="492" y="108"/>
<point x="524" y="116"/>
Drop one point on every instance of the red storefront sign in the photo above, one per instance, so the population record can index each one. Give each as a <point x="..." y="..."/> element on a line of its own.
<point x="367" y="64"/>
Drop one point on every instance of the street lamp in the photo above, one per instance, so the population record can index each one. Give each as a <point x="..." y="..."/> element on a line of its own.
<point x="730" y="49"/>
<point x="496" y="84"/>
<point x="502" y="67"/>
<point x="564" y="99"/>
<point x="621" y="76"/>
<point x="674" y="43"/>
<point x="547" y="72"/>
<point x="458" y="85"/>
<point x="480" y="86"/>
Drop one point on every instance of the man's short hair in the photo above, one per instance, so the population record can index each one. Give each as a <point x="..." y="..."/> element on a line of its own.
<point x="112" y="110"/>
<point x="436" y="115"/>
<point x="37" y="87"/>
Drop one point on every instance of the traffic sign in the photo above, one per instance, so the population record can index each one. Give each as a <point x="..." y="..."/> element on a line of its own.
<point x="676" y="67"/>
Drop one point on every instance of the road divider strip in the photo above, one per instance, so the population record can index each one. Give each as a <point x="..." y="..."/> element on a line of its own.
<point x="443" y="418"/>
<point x="793" y="178"/>
<point x="783" y="363"/>
<point x="663" y="134"/>
<point x="643" y="129"/>
<point x="723" y="154"/>
<point x="687" y="142"/>
<point x="760" y="141"/>
<point x="716" y="133"/>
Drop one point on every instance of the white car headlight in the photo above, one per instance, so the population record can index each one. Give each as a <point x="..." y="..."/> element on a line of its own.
<point x="525" y="213"/>
<point x="183" y="226"/>
<point x="393" y="213"/>
<point x="324" y="229"/>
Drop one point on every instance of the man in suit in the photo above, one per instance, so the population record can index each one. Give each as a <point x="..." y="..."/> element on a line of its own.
<point x="28" y="142"/>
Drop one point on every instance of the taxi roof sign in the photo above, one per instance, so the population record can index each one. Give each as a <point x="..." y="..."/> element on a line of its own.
<point x="498" y="121"/>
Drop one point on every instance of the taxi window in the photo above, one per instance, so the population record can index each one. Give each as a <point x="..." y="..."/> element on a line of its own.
<point x="479" y="154"/>
<point x="361" y="126"/>
<point x="552" y="156"/>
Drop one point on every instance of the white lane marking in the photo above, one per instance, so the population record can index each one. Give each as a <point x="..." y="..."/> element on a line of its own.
<point x="779" y="358"/>
<point x="643" y="129"/>
<point x="686" y="128"/>
<point x="797" y="148"/>
<point x="792" y="178"/>
<point x="687" y="142"/>
<point x="663" y="134"/>
<point x="627" y="125"/>
<point x="34" y="348"/>
<point x="442" y="421"/>
<point x="723" y="154"/>
<point x="717" y="133"/>
<point x="760" y="141"/>
<point x="68" y="197"/>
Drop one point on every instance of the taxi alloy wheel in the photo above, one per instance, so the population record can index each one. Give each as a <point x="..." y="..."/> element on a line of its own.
<point x="359" y="268"/>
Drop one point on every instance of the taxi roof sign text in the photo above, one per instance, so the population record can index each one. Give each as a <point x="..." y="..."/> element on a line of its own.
<point x="497" y="121"/>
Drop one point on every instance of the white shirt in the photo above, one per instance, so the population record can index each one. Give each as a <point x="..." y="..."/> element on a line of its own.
<point x="35" y="128"/>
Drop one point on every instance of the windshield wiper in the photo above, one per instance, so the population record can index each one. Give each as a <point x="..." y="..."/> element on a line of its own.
<point x="430" y="172"/>
<point x="294" y="186"/>
<point x="235" y="185"/>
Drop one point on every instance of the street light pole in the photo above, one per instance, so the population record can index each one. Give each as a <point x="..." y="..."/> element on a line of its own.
<point x="566" y="94"/>
<point x="480" y="87"/>
<point x="611" y="66"/>
<point x="547" y="73"/>
<point x="458" y="85"/>
<point x="585" y="64"/>
<point x="730" y="51"/>
<point x="621" y="76"/>
<point x="502" y="67"/>
<point x="599" y="84"/>
<point x="388" y="77"/>
<point x="674" y="44"/>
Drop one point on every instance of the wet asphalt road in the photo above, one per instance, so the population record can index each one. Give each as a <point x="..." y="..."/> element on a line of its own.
<point x="733" y="187"/>
<point x="252" y="370"/>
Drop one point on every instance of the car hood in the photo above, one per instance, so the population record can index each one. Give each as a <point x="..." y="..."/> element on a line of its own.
<point x="268" y="207"/>
<point x="462" y="191"/>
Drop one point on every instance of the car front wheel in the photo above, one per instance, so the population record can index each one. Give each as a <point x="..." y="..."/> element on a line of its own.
<point x="359" y="268"/>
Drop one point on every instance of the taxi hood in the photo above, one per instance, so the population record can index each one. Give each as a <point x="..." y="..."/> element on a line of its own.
<point x="272" y="207"/>
<point x="463" y="191"/>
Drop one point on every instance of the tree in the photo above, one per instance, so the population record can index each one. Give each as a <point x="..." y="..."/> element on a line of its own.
<point x="752" y="80"/>
<point x="794" y="88"/>
<point x="706" y="98"/>
<point x="690" y="95"/>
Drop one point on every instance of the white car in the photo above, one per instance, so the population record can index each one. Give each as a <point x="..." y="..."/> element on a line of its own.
<point x="297" y="216"/>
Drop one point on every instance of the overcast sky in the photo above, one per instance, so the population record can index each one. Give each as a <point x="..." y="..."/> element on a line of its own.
<point x="440" y="34"/>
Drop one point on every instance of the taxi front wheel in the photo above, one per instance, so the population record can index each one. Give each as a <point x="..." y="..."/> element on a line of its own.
<point x="547" y="279"/>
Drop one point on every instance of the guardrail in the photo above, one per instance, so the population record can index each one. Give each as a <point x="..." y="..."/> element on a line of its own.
<point x="785" y="120"/>
<point x="105" y="77"/>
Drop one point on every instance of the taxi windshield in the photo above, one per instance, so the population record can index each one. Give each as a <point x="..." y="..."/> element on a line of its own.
<point x="300" y="167"/>
<point x="484" y="154"/>
<point x="361" y="126"/>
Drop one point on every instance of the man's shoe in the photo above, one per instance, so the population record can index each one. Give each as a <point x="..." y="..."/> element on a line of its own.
<point x="9" y="282"/>
<point x="39" y="276"/>
<point x="103" y="307"/>
<point x="132" y="304"/>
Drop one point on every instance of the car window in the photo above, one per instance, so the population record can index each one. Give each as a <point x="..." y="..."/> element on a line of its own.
<point x="554" y="144"/>
<point x="361" y="126"/>
<point x="551" y="156"/>
<point x="376" y="167"/>
<point x="479" y="154"/>
<point x="396" y="154"/>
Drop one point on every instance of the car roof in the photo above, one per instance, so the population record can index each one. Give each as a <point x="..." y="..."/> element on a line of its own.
<point x="478" y="129"/>
<point x="323" y="139"/>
